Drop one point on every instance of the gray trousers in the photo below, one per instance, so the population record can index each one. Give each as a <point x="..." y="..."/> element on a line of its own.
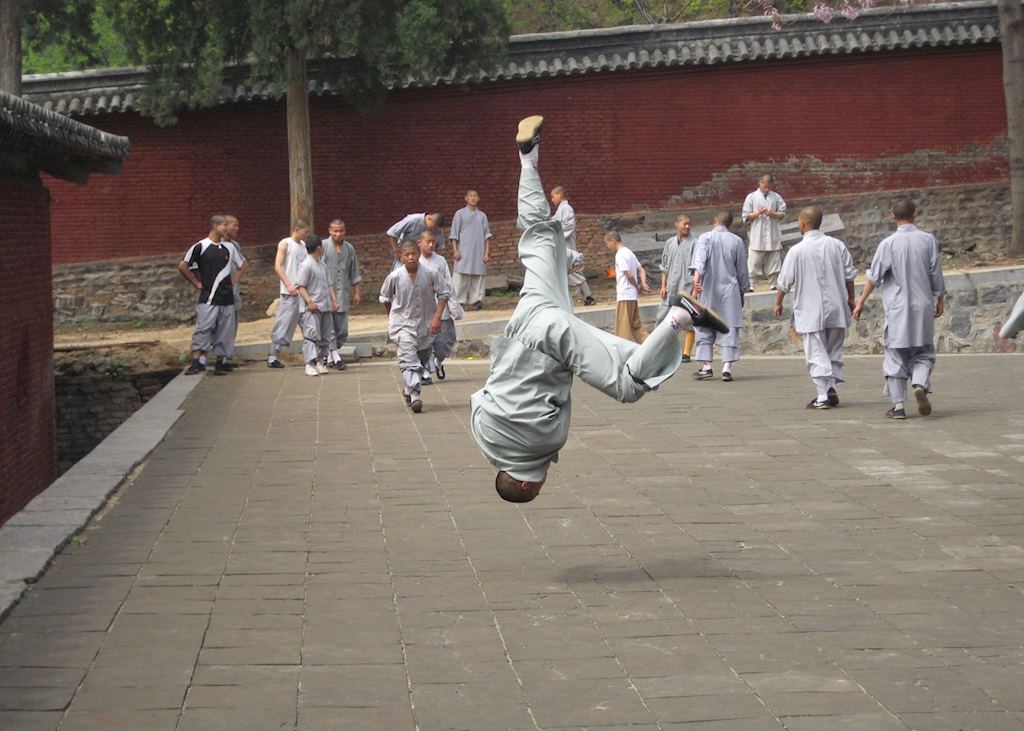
<point x="729" y="342"/>
<point x="579" y="280"/>
<point x="444" y="342"/>
<point x="824" y="353"/>
<point x="544" y="320"/>
<point x="412" y="353"/>
<point x="338" y="335"/>
<point x="765" y="264"/>
<point x="215" y="327"/>
<point x="284" y="325"/>
<point x="903" y="364"/>
<point x="315" y="328"/>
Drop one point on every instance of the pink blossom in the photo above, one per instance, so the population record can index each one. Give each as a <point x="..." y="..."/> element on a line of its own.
<point x="824" y="12"/>
<point x="866" y="4"/>
<point x="848" y="11"/>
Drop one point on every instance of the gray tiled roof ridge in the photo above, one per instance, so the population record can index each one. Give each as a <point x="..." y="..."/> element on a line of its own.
<point x="28" y="125"/>
<point x="598" y="50"/>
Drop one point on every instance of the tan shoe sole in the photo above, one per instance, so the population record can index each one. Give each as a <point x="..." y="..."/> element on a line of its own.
<point x="528" y="128"/>
<point x="718" y="323"/>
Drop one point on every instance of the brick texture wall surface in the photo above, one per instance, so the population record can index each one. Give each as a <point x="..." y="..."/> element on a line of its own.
<point x="27" y="446"/>
<point x="617" y="141"/>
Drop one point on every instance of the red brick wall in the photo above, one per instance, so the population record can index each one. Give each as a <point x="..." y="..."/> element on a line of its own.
<point x="615" y="140"/>
<point x="27" y="428"/>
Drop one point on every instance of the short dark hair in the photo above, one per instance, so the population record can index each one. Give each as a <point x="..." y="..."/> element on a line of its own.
<point x="408" y="244"/>
<point x="217" y="219"/>
<point x="438" y="219"/>
<point x="813" y="215"/>
<point x="299" y="223"/>
<point x="336" y="222"/>
<point x="681" y="216"/>
<point x="724" y="218"/>
<point x="767" y="176"/>
<point x="559" y="189"/>
<point x="511" y="490"/>
<point x="903" y="209"/>
<point x="425" y="233"/>
<point x="312" y="242"/>
<point x="613" y="236"/>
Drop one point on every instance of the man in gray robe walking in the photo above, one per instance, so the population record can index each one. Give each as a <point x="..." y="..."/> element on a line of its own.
<point x="908" y="269"/>
<point x="520" y="418"/>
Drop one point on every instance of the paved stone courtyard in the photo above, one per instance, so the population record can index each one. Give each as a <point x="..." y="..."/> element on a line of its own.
<point x="305" y="553"/>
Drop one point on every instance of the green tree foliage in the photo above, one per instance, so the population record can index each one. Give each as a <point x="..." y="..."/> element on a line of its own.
<point x="64" y="35"/>
<point x="360" y="46"/>
<point x="537" y="16"/>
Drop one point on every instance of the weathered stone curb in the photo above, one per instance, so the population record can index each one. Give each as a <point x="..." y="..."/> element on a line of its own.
<point x="31" y="538"/>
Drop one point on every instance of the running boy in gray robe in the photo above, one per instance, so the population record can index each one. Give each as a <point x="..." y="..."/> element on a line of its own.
<point x="444" y="343"/>
<point x="415" y="298"/>
<point x="318" y="301"/>
<point x="676" y="275"/>
<point x="721" y="279"/>
<point x="907" y="267"/>
<point x="821" y="270"/>
<point x="344" y="277"/>
<point x="520" y="418"/>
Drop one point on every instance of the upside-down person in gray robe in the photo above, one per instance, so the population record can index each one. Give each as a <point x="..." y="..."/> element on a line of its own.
<point x="415" y="297"/>
<point x="908" y="269"/>
<point x="821" y="271"/>
<point x="520" y="418"/>
<point x="720" y="277"/>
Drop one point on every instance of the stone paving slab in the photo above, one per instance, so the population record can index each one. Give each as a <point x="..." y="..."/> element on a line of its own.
<point x="30" y="538"/>
<point x="304" y="553"/>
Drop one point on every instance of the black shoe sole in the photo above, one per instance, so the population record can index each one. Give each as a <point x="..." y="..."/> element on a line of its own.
<point x="441" y="375"/>
<point x="275" y="364"/>
<point x="833" y="397"/>
<point x="701" y="315"/>
<point x="416" y="406"/>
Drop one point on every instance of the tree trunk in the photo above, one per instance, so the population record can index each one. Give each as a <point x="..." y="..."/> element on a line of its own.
<point x="1011" y="30"/>
<point x="10" y="46"/>
<point x="300" y="163"/>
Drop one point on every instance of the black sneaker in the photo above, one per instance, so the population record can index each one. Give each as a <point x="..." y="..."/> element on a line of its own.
<point x="833" y="397"/>
<point x="819" y="405"/>
<point x="340" y="365"/>
<point x="703" y="375"/>
<point x="441" y="375"/>
<point x="221" y="369"/>
<point x="194" y="368"/>
<point x="727" y="376"/>
<point x="416" y="405"/>
<point x="589" y="301"/>
<point x="275" y="364"/>
<point x="227" y="366"/>
<point x="895" y="413"/>
<point x="686" y="358"/>
<point x="700" y="315"/>
<point x="478" y="305"/>
<point x="528" y="135"/>
<point x="924" y="406"/>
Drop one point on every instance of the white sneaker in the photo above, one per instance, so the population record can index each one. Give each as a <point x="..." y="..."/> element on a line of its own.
<point x="321" y="368"/>
<point x="311" y="370"/>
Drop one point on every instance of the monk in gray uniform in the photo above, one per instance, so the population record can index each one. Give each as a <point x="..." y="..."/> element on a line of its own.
<point x="908" y="269"/>
<point x="676" y="275"/>
<point x="520" y="418"/>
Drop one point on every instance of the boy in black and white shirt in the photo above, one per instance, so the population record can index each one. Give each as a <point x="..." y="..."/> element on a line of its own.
<point x="207" y="266"/>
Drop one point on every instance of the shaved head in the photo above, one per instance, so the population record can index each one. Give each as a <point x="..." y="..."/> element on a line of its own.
<point x="904" y="210"/>
<point x="724" y="218"/>
<point x="812" y="216"/>
<point x="516" y="491"/>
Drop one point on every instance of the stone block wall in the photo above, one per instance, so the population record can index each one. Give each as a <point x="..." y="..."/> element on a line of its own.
<point x="91" y="404"/>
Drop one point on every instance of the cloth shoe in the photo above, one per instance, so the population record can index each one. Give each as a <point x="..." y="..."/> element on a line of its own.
<point x="311" y="370"/>
<point x="700" y="315"/>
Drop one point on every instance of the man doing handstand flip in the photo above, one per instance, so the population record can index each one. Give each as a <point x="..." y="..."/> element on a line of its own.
<point x="520" y="418"/>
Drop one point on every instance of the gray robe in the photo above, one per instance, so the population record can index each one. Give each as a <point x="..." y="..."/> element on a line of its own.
<point x="675" y="265"/>
<point x="720" y="258"/>
<point x="342" y="271"/>
<point x="471" y="229"/>
<point x="908" y="269"/>
<point x="520" y="418"/>
<point x="566" y="216"/>
<point x="819" y="267"/>
<point x="765" y="232"/>
<point x="412" y="226"/>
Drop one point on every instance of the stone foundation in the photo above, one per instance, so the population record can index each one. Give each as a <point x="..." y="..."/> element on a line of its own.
<point x="91" y="404"/>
